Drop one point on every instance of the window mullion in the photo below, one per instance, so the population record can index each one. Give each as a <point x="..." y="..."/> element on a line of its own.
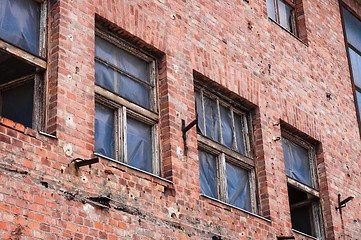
<point x="277" y="11"/>
<point x="43" y="29"/>
<point x="252" y="187"/>
<point x="219" y="121"/>
<point x="222" y="178"/>
<point x="246" y="136"/>
<point x="123" y="137"/>
<point x="234" y="142"/>
<point x="155" y="150"/>
<point x="203" y="113"/>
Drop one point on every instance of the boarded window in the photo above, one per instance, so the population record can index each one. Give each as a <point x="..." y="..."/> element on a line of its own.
<point x="22" y="61"/>
<point x="125" y="118"/>
<point x="225" y="164"/>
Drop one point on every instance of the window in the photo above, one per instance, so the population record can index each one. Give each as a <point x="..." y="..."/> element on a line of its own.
<point x="22" y="64"/>
<point x="299" y="159"/>
<point x="352" y="28"/>
<point x="283" y="12"/>
<point x="290" y="15"/>
<point x="126" y="117"/>
<point x="225" y="163"/>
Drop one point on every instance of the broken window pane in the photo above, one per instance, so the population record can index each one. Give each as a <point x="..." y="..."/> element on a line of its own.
<point x="355" y="59"/>
<point x="271" y="9"/>
<point x="139" y="145"/>
<point x="212" y="122"/>
<point x="353" y="29"/>
<point x="239" y="134"/>
<point x="297" y="162"/>
<point x="238" y="187"/>
<point x="208" y="171"/>
<point x="104" y="131"/>
<point x="199" y="110"/>
<point x="20" y="24"/>
<point x="286" y="15"/>
<point x="301" y="211"/>
<point x="226" y="126"/>
<point x="17" y="103"/>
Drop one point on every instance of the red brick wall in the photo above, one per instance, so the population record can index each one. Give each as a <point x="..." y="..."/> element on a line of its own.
<point x="232" y="43"/>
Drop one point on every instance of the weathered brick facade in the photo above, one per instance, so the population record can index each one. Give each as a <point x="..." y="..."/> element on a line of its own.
<point x="231" y="45"/>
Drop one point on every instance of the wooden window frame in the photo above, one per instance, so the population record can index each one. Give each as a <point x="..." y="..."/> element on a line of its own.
<point x="224" y="154"/>
<point x="38" y="61"/>
<point x="123" y="108"/>
<point x="292" y="4"/>
<point x="313" y="195"/>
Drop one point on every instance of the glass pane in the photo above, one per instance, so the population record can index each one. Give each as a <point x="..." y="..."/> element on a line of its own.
<point x="17" y="104"/>
<point x="139" y="145"/>
<point x="226" y="126"/>
<point x="104" y="131"/>
<point x="211" y="115"/>
<point x="286" y="16"/>
<point x="20" y="24"/>
<point x="134" y="91"/>
<point x="238" y="187"/>
<point x="207" y="172"/>
<point x="297" y="162"/>
<point x="122" y="59"/>
<point x="353" y="29"/>
<point x="239" y="134"/>
<point x="199" y="111"/>
<point x="271" y="9"/>
<point x="106" y="77"/>
<point x="356" y="67"/>
<point x="134" y="65"/>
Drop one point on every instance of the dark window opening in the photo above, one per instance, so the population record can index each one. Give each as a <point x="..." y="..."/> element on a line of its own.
<point x="301" y="211"/>
<point x="17" y="103"/>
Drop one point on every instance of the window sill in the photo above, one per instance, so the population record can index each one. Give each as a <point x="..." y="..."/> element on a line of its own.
<point x="22" y="129"/>
<point x="304" y="234"/>
<point x="229" y="207"/>
<point x="292" y="34"/>
<point x="137" y="172"/>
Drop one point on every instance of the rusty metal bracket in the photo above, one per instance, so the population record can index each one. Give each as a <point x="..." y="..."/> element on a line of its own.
<point x="79" y="162"/>
<point x="185" y="129"/>
<point x="342" y="204"/>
